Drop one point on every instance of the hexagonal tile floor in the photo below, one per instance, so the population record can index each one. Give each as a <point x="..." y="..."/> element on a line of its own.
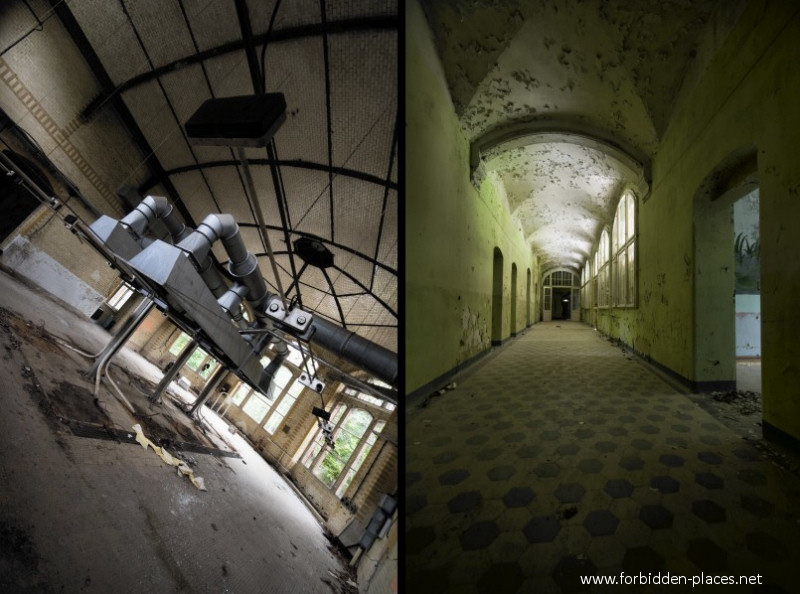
<point x="558" y="456"/>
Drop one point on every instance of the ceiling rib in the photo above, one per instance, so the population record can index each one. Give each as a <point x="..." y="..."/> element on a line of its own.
<point x="111" y="91"/>
<point x="281" y="163"/>
<point x="385" y="200"/>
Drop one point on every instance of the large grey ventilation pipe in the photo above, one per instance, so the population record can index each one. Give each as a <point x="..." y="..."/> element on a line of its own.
<point x="151" y="208"/>
<point x="273" y="367"/>
<point x="243" y="265"/>
<point x="381" y="362"/>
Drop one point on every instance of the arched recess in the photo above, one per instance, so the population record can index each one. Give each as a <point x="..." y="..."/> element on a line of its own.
<point x="497" y="297"/>
<point x="714" y="269"/>
<point x="528" y="298"/>
<point x="560" y="295"/>
<point x="513" y="325"/>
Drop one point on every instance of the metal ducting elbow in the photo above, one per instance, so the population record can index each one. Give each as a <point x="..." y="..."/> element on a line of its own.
<point x="267" y="381"/>
<point x="151" y="208"/>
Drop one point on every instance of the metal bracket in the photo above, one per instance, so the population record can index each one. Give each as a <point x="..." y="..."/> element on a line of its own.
<point x="312" y="382"/>
<point x="296" y="319"/>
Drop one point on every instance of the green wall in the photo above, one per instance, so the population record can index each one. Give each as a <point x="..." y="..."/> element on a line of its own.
<point x="451" y="229"/>
<point x="748" y="97"/>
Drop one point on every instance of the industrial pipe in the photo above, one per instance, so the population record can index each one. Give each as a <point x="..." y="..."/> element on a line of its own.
<point x="273" y="367"/>
<point x="151" y="208"/>
<point x="381" y="362"/>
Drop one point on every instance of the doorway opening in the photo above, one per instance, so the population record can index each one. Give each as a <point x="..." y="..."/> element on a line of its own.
<point x="513" y="324"/>
<point x="560" y="296"/>
<point x="727" y="305"/>
<point x="497" y="297"/>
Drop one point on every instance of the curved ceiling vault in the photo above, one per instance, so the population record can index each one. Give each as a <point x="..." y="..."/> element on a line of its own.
<point x="565" y="102"/>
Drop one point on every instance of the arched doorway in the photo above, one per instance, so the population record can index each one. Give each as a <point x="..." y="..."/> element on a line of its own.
<point x="513" y="324"/>
<point x="528" y="298"/>
<point x="497" y="297"/>
<point x="560" y="295"/>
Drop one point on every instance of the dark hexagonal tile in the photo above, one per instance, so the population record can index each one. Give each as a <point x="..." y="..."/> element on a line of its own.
<point x="529" y="451"/>
<point x="518" y="497"/>
<point x="757" y="506"/>
<point x="550" y="435"/>
<point x="679" y="428"/>
<point x="665" y="484"/>
<point x="514" y="437"/>
<point x="445" y="457"/>
<point x="416" y="503"/>
<point x="569" y="570"/>
<point x="710" y="440"/>
<point x="585" y="433"/>
<point x="440" y="441"/>
<point x="656" y="516"/>
<point x="747" y="454"/>
<point x="642" y="444"/>
<point x="501" y="577"/>
<point x="618" y="431"/>
<point x="569" y="493"/>
<point x="766" y="546"/>
<point x="477" y="439"/>
<point x="413" y="477"/>
<point x="489" y="453"/>
<point x="627" y="419"/>
<point x="541" y="529"/>
<point x="683" y="416"/>
<point x="464" y="502"/>
<point x="642" y="559"/>
<point x="671" y="460"/>
<point x="709" y="480"/>
<point x="419" y="538"/>
<point x="752" y="477"/>
<point x="502" y="425"/>
<point x="632" y="463"/>
<point x="709" y="511"/>
<point x="547" y="470"/>
<point x="650" y="429"/>
<point x="656" y="418"/>
<point x="479" y="536"/>
<point x="709" y="457"/>
<point x="605" y="446"/>
<point x="590" y="466"/>
<point x="453" y="477"/>
<point x="501" y="473"/>
<point x="677" y="442"/>
<point x="618" y="488"/>
<point x="600" y="522"/>
<point x="428" y="581"/>
<point x="707" y="555"/>
<point x="567" y="449"/>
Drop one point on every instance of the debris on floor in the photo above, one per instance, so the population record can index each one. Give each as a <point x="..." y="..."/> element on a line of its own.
<point x="745" y="402"/>
<point x="429" y="397"/>
<point x="169" y="459"/>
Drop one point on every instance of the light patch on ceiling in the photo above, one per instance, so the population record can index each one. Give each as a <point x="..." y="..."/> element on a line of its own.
<point x="561" y="194"/>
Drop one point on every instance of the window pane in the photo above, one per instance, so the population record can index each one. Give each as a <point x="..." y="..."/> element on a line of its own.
<point x="296" y="389"/>
<point x="121" y="296"/>
<point x="329" y="469"/>
<point x="208" y="368"/>
<point x="179" y="343"/>
<point x="241" y="391"/>
<point x="346" y="483"/>
<point x="295" y="357"/>
<point x="286" y="403"/>
<point x="197" y="357"/>
<point x="312" y="453"/>
<point x="273" y="422"/>
<point x="282" y="377"/>
<point x="631" y="274"/>
<point x="256" y="407"/>
<point x="631" y="215"/>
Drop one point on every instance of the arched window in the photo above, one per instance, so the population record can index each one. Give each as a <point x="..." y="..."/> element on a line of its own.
<point x="602" y="268"/>
<point x="624" y="252"/>
<point x="354" y="432"/>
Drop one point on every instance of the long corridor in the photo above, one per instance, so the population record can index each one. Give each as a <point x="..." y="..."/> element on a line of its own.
<point x="561" y="456"/>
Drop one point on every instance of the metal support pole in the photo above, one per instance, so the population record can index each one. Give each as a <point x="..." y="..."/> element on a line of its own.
<point x="212" y="385"/>
<point x="170" y="374"/>
<point x="120" y="338"/>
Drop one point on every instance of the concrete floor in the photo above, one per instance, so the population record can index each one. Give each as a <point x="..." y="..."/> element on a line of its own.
<point x="561" y="456"/>
<point x="95" y="515"/>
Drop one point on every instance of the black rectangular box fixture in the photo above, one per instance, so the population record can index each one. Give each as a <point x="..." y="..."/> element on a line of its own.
<point x="249" y="120"/>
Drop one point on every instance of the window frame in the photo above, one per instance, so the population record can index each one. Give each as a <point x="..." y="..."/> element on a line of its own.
<point x="624" y="255"/>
